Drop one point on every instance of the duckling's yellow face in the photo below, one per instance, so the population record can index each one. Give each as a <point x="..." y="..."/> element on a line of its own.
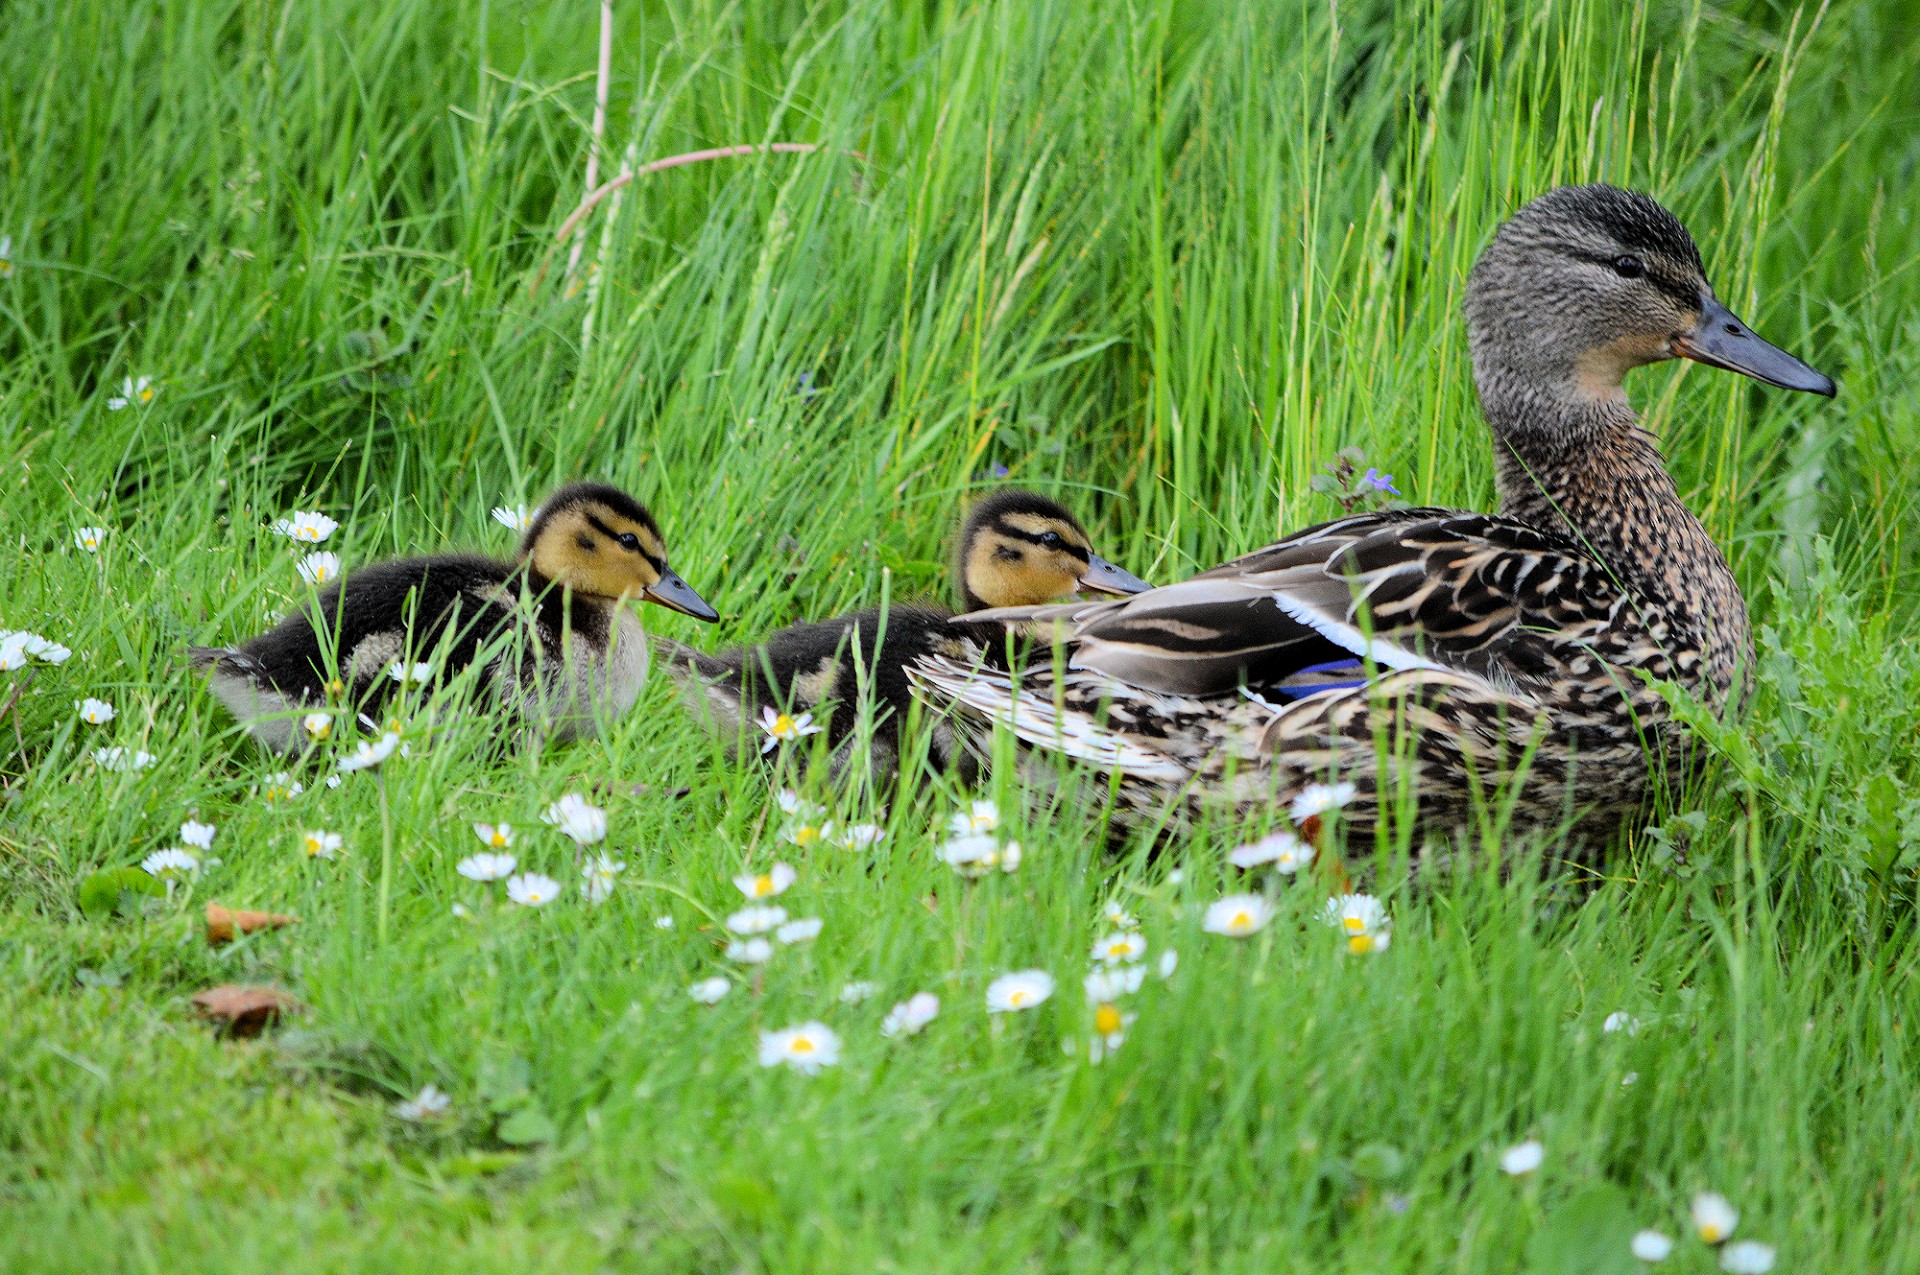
<point x="1020" y="557"/>
<point x="601" y="551"/>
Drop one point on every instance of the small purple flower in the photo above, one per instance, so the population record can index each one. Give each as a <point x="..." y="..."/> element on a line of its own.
<point x="999" y="470"/>
<point x="1379" y="481"/>
<point x="806" y="385"/>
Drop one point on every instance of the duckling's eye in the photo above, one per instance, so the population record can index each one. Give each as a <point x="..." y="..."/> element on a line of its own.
<point x="1629" y="267"/>
<point x="1051" y="540"/>
<point x="628" y="541"/>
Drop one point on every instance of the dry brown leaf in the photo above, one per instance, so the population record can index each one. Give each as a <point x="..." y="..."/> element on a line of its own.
<point x="244" y="1010"/>
<point x="223" y="923"/>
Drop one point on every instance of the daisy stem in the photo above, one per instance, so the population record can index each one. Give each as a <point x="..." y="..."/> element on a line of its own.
<point x="386" y="861"/>
<point x="13" y="711"/>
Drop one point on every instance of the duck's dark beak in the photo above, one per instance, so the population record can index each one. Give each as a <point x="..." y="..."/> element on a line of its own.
<point x="1721" y="340"/>
<point x="675" y="594"/>
<point x="1104" y="577"/>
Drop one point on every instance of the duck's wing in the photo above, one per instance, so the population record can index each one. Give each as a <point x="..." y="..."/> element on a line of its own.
<point x="1460" y="593"/>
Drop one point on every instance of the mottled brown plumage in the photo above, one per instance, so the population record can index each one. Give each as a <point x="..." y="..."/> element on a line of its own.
<point x="1461" y="659"/>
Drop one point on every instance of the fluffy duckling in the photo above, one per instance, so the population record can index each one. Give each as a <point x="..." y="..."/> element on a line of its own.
<point x="556" y="647"/>
<point x="1012" y="545"/>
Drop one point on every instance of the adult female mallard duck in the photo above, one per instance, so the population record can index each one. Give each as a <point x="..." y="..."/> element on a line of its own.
<point x="1015" y="549"/>
<point x="1434" y="652"/>
<point x="557" y="648"/>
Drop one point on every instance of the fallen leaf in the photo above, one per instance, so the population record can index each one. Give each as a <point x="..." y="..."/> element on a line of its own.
<point x="224" y="923"/>
<point x="243" y="1010"/>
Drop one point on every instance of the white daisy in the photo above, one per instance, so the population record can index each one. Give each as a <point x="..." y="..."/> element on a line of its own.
<point x="1362" y="920"/>
<point x="1713" y="1217"/>
<point x="94" y="712"/>
<point x="573" y="815"/>
<point x="495" y="836"/>
<point x="1111" y="984"/>
<point x="910" y="1015"/>
<point x="532" y="890"/>
<point x="1651" y="1246"/>
<point x="429" y="1104"/>
<point x="319" y="568"/>
<point x="806" y="1048"/>
<point x="757" y="920"/>
<point x="486" y="867"/>
<point x="1022" y="989"/>
<point x="857" y="990"/>
<point x="1524" y="1158"/>
<point x="598" y="877"/>
<point x="793" y="804"/>
<point x="512" y="517"/>
<point x="13" y="652"/>
<point x="975" y="856"/>
<point x="750" y="951"/>
<point x="1283" y="850"/>
<point x="317" y="725"/>
<point x="708" y="991"/>
<point x="783" y="728"/>
<point x="801" y="931"/>
<point x="979" y="816"/>
<point x="171" y="863"/>
<point x="320" y="844"/>
<point x="1120" y="946"/>
<point x="1317" y="799"/>
<point x="197" y="834"/>
<point x="1237" y="915"/>
<point x="123" y="759"/>
<point x="416" y="674"/>
<point x="764" y="885"/>
<point x="306" y="528"/>
<point x="859" y="836"/>
<point x="132" y="391"/>
<point x="279" y="786"/>
<point x="1109" y="1032"/>
<point x="1746" y="1257"/>
<point x="800" y="833"/>
<point x="17" y="647"/>
<point x="367" y="753"/>
<point x="89" y="539"/>
<point x="1621" y="1021"/>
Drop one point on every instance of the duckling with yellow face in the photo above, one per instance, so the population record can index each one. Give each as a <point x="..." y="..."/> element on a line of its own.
<point x="1013" y="545"/>
<point x="557" y="648"/>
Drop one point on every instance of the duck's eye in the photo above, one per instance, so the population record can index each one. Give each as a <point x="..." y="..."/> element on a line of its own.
<point x="1051" y="540"/>
<point x="628" y="541"/>
<point x="1629" y="267"/>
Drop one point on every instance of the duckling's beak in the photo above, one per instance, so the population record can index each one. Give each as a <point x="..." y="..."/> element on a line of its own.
<point x="1103" y="576"/>
<point x="675" y="594"/>
<point x="1721" y="340"/>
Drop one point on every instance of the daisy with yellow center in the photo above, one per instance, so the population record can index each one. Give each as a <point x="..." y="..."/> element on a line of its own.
<point x="95" y="712"/>
<point x="532" y="890"/>
<point x="89" y="539"/>
<point x="1020" y="990"/>
<point x="495" y="836"/>
<point x="320" y="844"/>
<point x="807" y="1048"/>
<point x="307" y="527"/>
<point x="784" y="728"/>
<point x="317" y="725"/>
<point x="320" y="568"/>
<point x="764" y="885"/>
<point x="132" y="392"/>
<point x="1362" y="920"/>
<point x="1238" y="915"/>
<point x="1118" y="947"/>
<point x="1109" y="1032"/>
<point x="1714" y="1217"/>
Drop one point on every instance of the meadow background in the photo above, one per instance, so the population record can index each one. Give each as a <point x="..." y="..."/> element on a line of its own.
<point x="1160" y="259"/>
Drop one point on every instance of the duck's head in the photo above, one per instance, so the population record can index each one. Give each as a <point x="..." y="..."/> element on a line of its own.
<point x="1588" y="282"/>
<point x="602" y="543"/>
<point x="1019" y="549"/>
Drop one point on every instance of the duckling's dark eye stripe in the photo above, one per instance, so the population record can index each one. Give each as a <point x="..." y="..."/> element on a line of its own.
<point x="593" y="520"/>
<point x="1039" y="538"/>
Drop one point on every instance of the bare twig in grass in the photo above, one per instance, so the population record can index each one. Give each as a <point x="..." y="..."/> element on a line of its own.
<point x="604" y="74"/>
<point x="593" y="199"/>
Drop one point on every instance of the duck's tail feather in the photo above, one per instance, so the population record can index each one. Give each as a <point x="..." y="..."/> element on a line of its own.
<point x="989" y="696"/>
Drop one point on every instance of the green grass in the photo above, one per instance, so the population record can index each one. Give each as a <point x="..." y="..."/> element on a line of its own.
<point x="1162" y="260"/>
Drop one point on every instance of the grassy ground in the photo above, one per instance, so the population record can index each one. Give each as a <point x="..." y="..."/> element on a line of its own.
<point x="1160" y="259"/>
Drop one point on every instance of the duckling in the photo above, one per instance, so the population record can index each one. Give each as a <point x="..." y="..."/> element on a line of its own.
<point x="1015" y="548"/>
<point x="557" y="648"/>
